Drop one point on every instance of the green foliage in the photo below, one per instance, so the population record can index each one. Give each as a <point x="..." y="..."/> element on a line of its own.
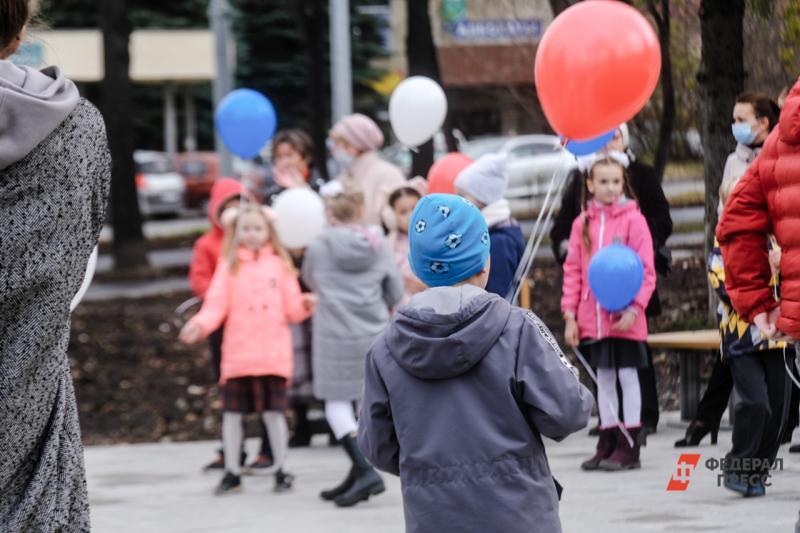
<point x="762" y="8"/>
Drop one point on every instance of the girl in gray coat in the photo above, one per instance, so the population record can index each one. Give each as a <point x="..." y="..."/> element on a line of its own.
<point x="461" y="388"/>
<point x="352" y="271"/>
<point x="54" y="180"/>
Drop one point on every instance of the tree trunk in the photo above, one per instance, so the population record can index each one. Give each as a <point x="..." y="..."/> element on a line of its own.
<point x="422" y="61"/>
<point x="129" y="247"/>
<point x="721" y="79"/>
<point x="667" y="88"/>
<point x="311" y="19"/>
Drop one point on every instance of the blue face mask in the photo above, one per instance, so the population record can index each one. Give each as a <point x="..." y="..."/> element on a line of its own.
<point x="743" y="133"/>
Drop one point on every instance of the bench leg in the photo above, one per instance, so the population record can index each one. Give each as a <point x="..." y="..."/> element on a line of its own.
<point x="690" y="385"/>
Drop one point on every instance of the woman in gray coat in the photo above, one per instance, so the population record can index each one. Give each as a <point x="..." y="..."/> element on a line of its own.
<point x="352" y="271"/>
<point x="54" y="179"/>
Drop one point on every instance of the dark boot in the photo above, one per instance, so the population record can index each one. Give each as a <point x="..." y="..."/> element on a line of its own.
<point x="625" y="456"/>
<point x="341" y="488"/>
<point x="366" y="481"/>
<point x="695" y="433"/>
<point x="605" y="447"/>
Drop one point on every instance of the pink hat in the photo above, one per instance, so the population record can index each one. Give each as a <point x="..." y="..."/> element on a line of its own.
<point x="359" y="131"/>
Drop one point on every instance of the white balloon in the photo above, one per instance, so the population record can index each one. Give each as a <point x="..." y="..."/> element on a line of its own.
<point x="301" y="217"/>
<point x="87" y="280"/>
<point x="417" y="110"/>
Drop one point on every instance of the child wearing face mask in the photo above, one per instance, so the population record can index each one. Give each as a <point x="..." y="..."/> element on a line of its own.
<point x="256" y="294"/>
<point x="614" y="342"/>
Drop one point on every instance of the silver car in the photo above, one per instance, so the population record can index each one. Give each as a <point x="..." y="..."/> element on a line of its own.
<point x="161" y="190"/>
<point x="533" y="161"/>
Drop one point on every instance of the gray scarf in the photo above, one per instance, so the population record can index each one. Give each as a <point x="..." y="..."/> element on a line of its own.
<point x="32" y="104"/>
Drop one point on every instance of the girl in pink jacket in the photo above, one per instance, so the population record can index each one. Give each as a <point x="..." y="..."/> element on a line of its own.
<point x="256" y="294"/>
<point x="614" y="342"/>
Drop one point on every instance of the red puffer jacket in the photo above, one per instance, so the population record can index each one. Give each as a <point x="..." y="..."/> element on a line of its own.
<point x="767" y="200"/>
<point x="208" y="247"/>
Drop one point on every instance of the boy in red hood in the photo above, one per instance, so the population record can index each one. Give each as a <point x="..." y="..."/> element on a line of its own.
<point x="226" y="193"/>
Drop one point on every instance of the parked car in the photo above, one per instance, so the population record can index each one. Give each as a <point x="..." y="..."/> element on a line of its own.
<point x="160" y="188"/>
<point x="199" y="170"/>
<point x="533" y="161"/>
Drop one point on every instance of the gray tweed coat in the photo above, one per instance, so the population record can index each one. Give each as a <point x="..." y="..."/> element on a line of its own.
<point x="52" y="206"/>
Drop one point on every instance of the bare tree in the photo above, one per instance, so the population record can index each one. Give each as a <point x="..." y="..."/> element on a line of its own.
<point x="129" y="247"/>
<point x="663" y="21"/>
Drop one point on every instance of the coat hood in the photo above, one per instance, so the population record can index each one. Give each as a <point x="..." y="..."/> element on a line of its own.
<point x="445" y="331"/>
<point x="354" y="248"/>
<point x="223" y="190"/>
<point x="32" y="104"/>
<point x="789" y="122"/>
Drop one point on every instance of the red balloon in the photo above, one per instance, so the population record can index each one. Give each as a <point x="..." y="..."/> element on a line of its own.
<point x="445" y="171"/>
<point x="596" y="66"/>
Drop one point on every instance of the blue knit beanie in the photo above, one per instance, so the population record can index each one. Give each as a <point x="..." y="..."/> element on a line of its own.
<point x="449" y="240"/>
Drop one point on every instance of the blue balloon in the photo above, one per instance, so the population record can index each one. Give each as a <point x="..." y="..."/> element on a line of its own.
<point x="616" y="274"/>
<point x="246" y="121"/>
<point x="589" y="146"/>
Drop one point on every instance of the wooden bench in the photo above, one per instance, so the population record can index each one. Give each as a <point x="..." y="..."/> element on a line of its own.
<point x="690" y="345"/>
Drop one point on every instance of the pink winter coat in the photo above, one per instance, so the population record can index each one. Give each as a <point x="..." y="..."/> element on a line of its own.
<point x="623" y="223"/>
<point x="256" y="305"/>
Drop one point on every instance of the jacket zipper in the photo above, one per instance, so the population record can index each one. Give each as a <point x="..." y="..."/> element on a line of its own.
<point x="599" y="246"/>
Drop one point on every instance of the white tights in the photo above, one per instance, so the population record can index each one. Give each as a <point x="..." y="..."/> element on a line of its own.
<point x="341" y="418"/>
<point x="233" y="436"/>
<point x="607" y="402"/>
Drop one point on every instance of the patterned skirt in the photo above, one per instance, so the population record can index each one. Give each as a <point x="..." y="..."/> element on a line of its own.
<point x="254" y="394"/>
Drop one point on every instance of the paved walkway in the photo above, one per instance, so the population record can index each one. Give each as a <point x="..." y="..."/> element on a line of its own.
<point x="158" y="487"/>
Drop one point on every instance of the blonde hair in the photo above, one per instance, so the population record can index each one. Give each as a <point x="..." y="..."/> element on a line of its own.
<point x="345" y="207"/>
<point x="230" y="245"/>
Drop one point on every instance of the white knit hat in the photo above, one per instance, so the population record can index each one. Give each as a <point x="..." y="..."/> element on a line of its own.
<point x="486" y="179"/>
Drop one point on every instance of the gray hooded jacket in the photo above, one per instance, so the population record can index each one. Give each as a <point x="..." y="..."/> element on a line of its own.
<point x="357" y="283"/>
<point x="458" y="392"/>
<point x="54" y="180"/>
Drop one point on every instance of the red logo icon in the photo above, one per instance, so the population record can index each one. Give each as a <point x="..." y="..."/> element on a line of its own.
<point x="679" y="481"/>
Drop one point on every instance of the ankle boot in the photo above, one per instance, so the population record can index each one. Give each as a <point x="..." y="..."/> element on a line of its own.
<point x="344" y="486"/>
<point x="606" y="443"/>
<point x="366" y="481"/>
<point x="695" y="433"/>
<point x="625" y="456"/>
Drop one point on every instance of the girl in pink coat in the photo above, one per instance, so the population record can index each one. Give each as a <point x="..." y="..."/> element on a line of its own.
<point x="256" y="294"/>
<point x="614" y="342"/>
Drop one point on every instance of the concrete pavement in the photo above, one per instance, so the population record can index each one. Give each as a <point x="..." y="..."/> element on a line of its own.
<point x="159" y="488"/>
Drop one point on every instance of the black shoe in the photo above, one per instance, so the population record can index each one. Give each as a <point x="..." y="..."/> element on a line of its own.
<point x="283" y="481"/>
<point x="261" y="465"/>
<point x="366" y="481"/>
<point x="230" y="484"/>
<point x="216" y="464"/>
<point x="695" y="433"/>
<point x="595" y="431"/>
<point x="344" y="486"/>
<point x="795" y="449"/>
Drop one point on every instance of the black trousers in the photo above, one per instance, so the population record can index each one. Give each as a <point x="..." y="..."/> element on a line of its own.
<point x="763" y="388"/>
<point x="715" y="399"/>
<point x="215" y="344"/>
<point x="649" y="389"/>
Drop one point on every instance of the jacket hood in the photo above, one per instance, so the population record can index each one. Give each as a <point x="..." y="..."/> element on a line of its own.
<point x="223" y="190"/>
<point x="445" y="331"/>
<point x="32" y="105"/>
<point x="789" y="122"/>
<point x="623" y="205"/>
<point x="354" y="249"/>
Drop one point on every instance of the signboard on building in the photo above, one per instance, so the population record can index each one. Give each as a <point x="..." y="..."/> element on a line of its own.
<point x="469" y="22"/>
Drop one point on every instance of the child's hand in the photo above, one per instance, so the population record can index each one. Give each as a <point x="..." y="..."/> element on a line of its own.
<point x="626" y="322"/>
<point x="775" y="261"/>
<point x="310" y="302"/>
<point x="191" y="333"/>
<point x="571" y="336"/>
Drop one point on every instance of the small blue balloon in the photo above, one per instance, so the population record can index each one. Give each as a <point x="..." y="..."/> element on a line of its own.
<point x="246" y="121"/>
<point x="616" y="274"/>
<point x="589" y="146"/>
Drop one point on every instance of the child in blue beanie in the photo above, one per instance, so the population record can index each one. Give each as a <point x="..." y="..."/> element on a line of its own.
<point x="461" y="387"/>
<point x="484" y="183"/>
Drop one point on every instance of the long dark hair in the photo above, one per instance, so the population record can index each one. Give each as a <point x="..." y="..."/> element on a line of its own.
<point x="763" y="106"/>
<point x="14" y="16"/>
<point x="586" y="196"/>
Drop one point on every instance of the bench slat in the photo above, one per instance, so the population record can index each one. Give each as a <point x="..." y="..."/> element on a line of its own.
<point x="701" y="340"/>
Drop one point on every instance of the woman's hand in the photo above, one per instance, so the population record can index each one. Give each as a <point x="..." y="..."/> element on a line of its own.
<point x="191" y="333"/>
<point x="571" y="336"/>
<point x="626" y="322"/>
<point x="310" y="302"/>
